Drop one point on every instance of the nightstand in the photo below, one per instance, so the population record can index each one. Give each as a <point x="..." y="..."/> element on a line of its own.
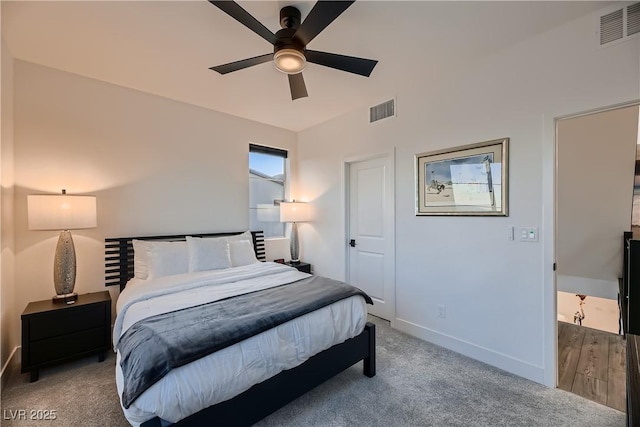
<point x="301" y="266"/>
<point x="54" y="333"/>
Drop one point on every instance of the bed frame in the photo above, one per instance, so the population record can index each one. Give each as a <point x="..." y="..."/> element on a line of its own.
<point x="270" y="395"/>
<point x="118" y="253"/>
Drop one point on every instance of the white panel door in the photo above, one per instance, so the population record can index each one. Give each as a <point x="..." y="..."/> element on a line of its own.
<point x="371" y="237"/>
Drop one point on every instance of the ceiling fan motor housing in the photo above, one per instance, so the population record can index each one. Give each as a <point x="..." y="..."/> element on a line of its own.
<point x="288" y="54"/>
<point x="287" y="41"/>
<point x="290" y="17"/>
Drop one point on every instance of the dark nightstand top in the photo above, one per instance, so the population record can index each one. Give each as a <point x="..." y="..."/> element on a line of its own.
<point x="48" y="305"/>
<point x="301" y="266"/>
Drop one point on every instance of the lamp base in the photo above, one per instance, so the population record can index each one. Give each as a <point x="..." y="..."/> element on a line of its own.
<point x="65" y="298"/>
<point x="64" y="264"/>
<point x="293" y="244"/>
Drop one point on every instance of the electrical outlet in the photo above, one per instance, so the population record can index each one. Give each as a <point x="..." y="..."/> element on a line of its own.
<point x="442" y="311"/>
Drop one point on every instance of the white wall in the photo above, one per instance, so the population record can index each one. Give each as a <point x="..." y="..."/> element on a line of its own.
<point x="8" y="330"/>
<point x="156" y="166"/>
<point x="596" y="167"/>
<point x="583" y="285"/>
<point x="498" y="308"/>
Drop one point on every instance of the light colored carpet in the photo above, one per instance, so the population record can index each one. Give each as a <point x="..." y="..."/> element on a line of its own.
<point x="417" y="384"/>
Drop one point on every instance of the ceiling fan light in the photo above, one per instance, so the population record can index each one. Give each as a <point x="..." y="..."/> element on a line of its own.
<point x="289" y="61"/>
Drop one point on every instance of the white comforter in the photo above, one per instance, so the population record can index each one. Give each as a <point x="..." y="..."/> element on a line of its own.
<point x="228" y="372"/>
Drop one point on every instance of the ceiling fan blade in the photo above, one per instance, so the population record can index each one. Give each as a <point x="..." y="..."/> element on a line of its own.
<point x="298" y="88"/>
<point x="350" y="64"/>
<point x="235" y="11"/>
<point x="244" y="63"/>
<point x="319" y="18"/>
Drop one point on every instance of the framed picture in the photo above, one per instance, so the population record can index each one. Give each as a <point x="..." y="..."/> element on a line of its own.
<point x="467" y="180"/>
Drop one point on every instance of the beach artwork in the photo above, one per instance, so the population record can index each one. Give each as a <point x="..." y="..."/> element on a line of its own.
<point x="467" y="181"/>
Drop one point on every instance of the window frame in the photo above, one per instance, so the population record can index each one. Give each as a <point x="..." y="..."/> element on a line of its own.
<point x="277" y="152"/>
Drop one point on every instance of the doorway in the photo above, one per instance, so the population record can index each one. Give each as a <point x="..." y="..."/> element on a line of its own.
<point x="594" y="186"/>
<point x="370" y="211"/>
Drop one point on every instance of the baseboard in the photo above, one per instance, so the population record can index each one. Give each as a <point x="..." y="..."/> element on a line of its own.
<point x="488" y="356"/>
<point x="10" y="366"/>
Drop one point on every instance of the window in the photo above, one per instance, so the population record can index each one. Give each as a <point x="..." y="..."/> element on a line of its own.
<point x="267" y="185"/>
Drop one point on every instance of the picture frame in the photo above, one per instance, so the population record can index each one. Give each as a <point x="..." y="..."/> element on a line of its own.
<point x="469" y="180"/>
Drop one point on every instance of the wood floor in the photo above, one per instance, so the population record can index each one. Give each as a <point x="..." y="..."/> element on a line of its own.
<point x="591" y="364"/>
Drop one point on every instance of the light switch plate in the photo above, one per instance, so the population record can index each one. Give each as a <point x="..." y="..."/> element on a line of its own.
<point x="528" y="234"/>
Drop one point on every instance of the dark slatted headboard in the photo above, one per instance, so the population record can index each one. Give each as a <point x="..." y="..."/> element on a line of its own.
<point x="118" y="253"/>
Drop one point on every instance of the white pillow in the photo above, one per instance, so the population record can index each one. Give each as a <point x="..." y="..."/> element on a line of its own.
<point x="208" y="253"/>
<point x="140" y="259"/>
<point x="167" y="258"/>
<point x="244" y="236"/>
<point x="242" y="253"/>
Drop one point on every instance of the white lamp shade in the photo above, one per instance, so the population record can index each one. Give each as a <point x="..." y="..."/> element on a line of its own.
<point x="61" y="212"/>
<point x="294" y="212"/>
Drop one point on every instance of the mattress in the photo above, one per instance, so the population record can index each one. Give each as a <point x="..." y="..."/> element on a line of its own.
<point x="232" y="370"/>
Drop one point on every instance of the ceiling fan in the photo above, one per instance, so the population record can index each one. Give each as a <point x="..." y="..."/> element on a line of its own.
<point x="290" y="53"/>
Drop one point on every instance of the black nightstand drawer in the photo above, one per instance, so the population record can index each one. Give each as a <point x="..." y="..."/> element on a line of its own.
<point x="67" y="321"/>
<point x="54" y="332"/>
<point x="65" y="346"/>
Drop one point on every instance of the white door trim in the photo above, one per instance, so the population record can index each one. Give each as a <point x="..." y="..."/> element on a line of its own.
<point x="549" y="204"/>
<point x="347" y="161"/>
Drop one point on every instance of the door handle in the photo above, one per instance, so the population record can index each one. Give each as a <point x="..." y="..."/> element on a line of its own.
<point x="352" y="243"/>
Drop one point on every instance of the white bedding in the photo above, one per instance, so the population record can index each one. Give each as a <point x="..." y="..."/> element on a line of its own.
<point x="228" y="372"/>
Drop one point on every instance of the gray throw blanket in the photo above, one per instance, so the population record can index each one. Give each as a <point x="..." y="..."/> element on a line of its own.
<point x="152" y="347"/>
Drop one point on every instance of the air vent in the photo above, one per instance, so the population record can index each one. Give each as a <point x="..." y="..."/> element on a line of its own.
<point x="382" y="111"/>
<point x="611" y="27"/>
<point x="618" y="24"/>
<point x="633" y="19"/>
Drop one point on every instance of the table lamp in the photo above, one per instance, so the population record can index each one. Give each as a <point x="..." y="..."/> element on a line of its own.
<point x="294" y="212"/>
<point x="62" y="212"/>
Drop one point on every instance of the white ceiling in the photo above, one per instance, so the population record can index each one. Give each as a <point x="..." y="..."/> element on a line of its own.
<point x="166" y="48"/>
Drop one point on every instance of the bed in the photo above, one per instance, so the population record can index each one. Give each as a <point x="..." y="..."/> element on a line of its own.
<point x="254" y="372"/>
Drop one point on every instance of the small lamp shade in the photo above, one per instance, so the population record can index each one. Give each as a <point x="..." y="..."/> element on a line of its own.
<point x="61" y="212"/>
<point x="294" y="212"/>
